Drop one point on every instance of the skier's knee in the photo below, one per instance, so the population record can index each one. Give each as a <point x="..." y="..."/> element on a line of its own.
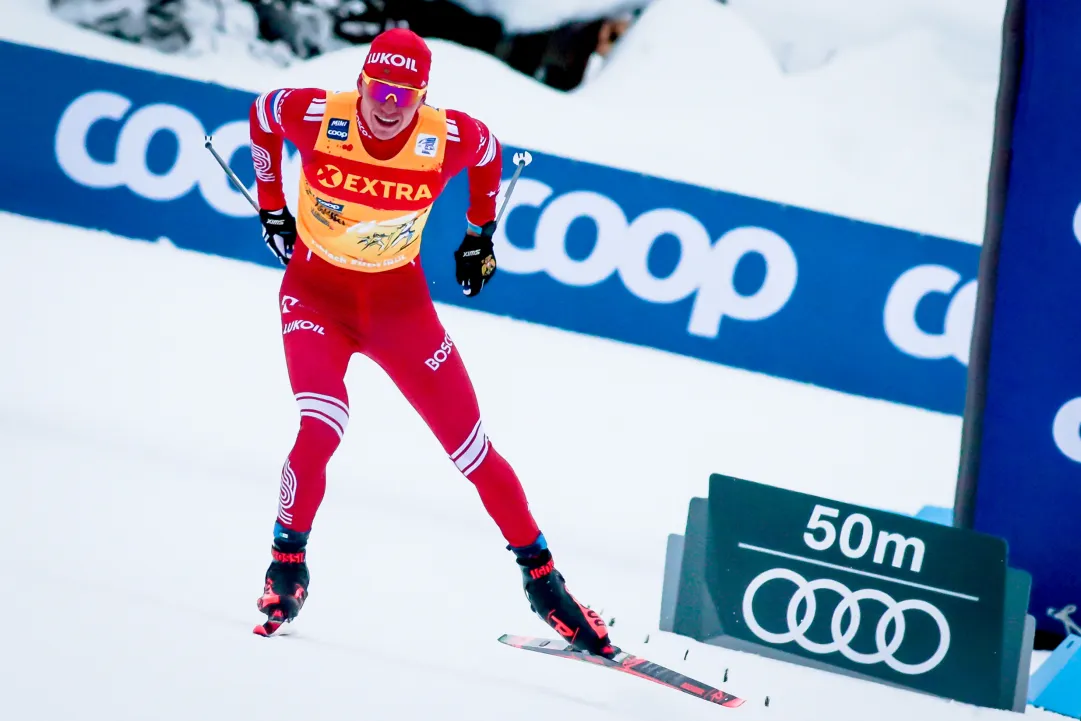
<point x="473" y="450"/>
<point x="323" y="420"/>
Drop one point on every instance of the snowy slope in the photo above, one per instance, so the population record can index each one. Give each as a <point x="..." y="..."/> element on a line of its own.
<point x="896" y="131"/>
<point x="144" y="414"/>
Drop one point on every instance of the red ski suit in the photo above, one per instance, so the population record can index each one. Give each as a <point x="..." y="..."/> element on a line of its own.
<point x="350" y="288"/>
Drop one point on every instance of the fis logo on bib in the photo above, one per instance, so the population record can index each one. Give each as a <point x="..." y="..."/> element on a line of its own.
<point x="426" y="145"/>
<point x="338" y="129"/>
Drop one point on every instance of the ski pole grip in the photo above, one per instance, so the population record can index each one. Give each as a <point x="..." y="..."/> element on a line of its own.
<point x="521" y="159"/>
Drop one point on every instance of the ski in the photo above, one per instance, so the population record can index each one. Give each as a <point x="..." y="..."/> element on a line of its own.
<point x="629" y="664"/>
<point x="271" y="626"/>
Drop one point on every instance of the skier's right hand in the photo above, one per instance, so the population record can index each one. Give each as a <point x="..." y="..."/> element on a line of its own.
<point x="279" y="232"/>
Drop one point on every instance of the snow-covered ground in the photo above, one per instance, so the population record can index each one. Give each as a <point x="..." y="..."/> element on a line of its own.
<point x="144" y="414"/>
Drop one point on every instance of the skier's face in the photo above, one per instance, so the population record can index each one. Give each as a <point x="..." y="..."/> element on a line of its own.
<point x="386" y="108"/>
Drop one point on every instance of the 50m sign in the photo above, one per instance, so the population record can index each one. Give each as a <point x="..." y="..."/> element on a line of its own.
<point x="852" y="549"/>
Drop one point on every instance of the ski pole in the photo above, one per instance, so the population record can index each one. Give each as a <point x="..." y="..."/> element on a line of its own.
<point x="521" y="160"/>
<point x="228" y="171"/>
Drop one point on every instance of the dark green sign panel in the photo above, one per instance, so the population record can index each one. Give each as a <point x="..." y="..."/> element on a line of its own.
<point x="899" y="599"/>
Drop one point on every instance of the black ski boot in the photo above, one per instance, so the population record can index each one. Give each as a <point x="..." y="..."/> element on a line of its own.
<point x="549" y="598"/>
<point x="284" y="591"/>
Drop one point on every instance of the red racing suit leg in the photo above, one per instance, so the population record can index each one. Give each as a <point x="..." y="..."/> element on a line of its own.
<point x="408" y="341"/>
<point x="317" y="354"/>
<point x="390" y="318"/>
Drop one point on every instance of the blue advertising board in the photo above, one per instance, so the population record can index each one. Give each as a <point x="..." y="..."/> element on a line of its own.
<point x="1028" y="488"/>
<point x="812" y="297"/>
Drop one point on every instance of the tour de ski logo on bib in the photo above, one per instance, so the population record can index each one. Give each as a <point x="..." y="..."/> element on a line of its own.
<point x="385" y="235"/>
<point x="382" y="233"/>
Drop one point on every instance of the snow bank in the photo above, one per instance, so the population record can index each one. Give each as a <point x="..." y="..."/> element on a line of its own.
<point x="889" y="133"/>
<point x="220" y="58"/>
<point x="526" y="16"/>
<point x="895" y="131"/>
<point x="804" y="34"/>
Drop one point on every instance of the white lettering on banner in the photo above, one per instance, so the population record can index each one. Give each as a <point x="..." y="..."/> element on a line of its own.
<point x="899" y="317"/>
<point x="706" y="269"/>
<point x="129" y="169"/>
<point x="1066" y="430"/>
<point x="71" y="134"/>
<point x="1077" y="223"/>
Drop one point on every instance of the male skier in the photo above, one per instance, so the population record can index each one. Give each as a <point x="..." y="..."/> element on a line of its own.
<point x="374" y="161"/>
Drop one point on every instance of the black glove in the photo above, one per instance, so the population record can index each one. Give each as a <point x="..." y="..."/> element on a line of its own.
<point x="474" y="261"/>
<point x="279" y="232"/>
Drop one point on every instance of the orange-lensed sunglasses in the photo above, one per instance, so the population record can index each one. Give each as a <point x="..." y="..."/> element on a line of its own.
<point x="383" y="90"/>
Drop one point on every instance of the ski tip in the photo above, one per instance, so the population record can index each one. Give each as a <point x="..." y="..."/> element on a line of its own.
<point x="512" y="640"/>
<point x="267" y="629"/>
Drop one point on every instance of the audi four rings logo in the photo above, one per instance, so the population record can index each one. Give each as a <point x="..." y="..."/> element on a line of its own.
<point x="842" y="636"/>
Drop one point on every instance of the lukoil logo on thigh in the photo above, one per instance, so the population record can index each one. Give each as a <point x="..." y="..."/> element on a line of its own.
<point x="706" y="269"/>
<point x="302" y="325"/>
<point x="138" y="127"/>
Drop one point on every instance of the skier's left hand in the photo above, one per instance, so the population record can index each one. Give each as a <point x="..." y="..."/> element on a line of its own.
<point x="474" y="260"/>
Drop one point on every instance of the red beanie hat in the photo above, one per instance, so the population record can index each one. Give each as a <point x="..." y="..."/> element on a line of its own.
<point x="399" y="56"/>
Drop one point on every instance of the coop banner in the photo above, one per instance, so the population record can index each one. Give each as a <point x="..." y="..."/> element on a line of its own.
<point x="784" y="291"/>
<point x="1029" y="485"/>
